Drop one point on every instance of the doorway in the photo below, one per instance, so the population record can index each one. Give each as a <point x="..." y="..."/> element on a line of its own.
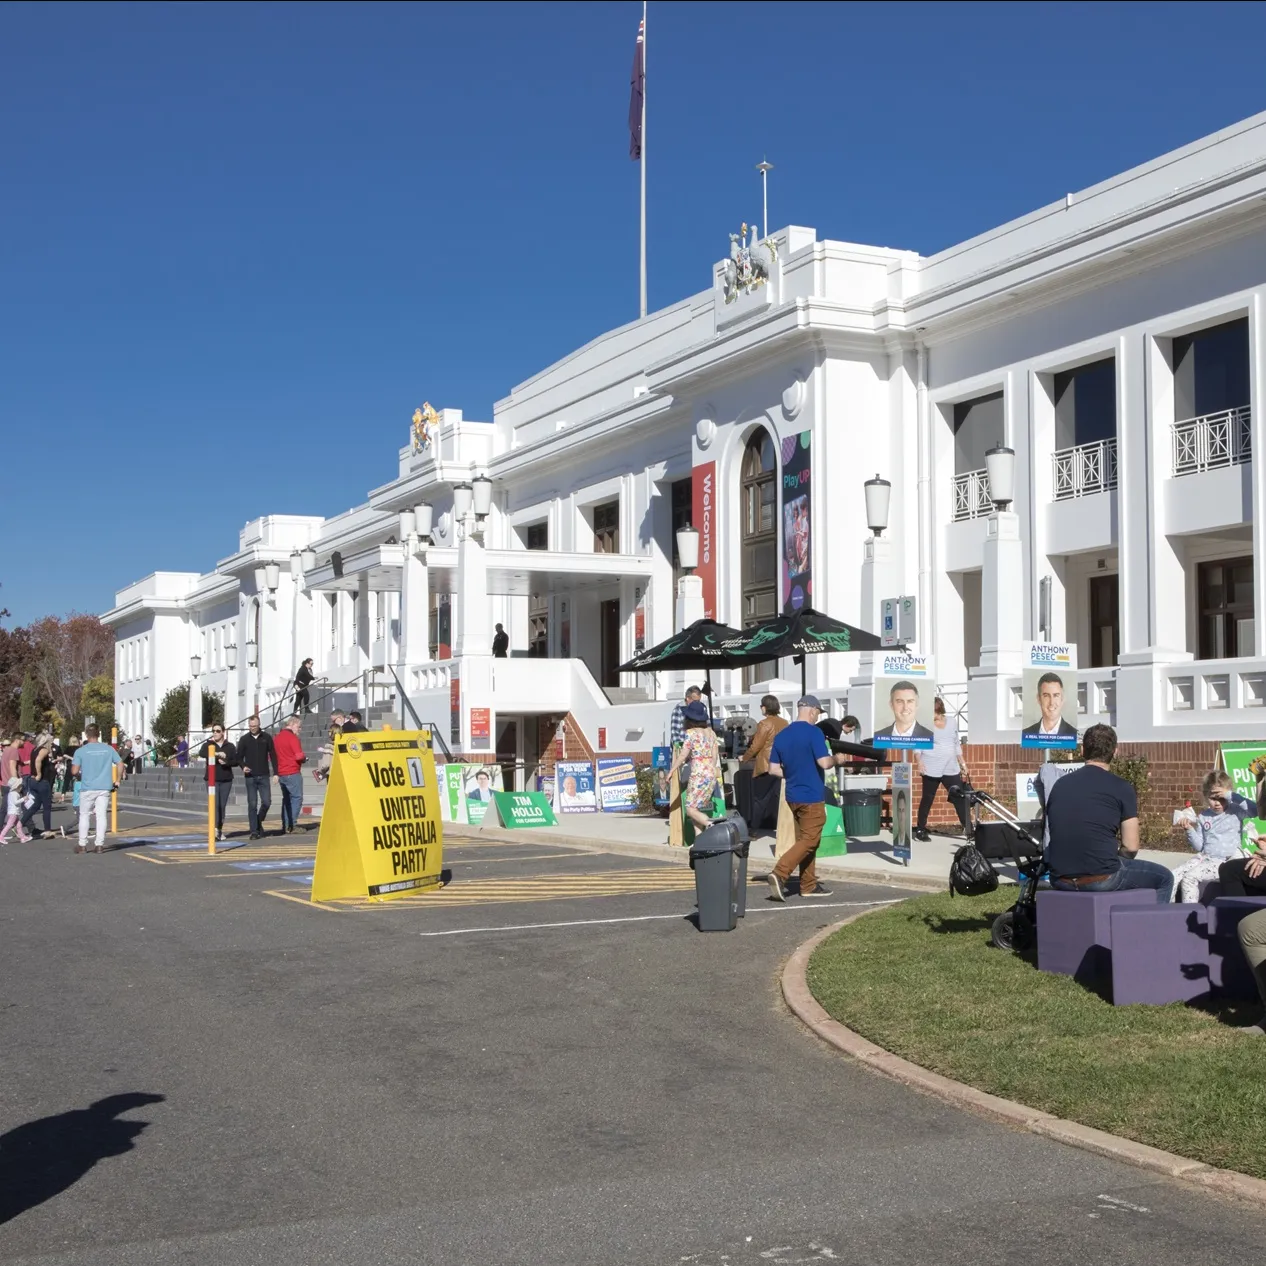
<point x="1105" y="623"/>
<point x="508" y="751"/>
<point x="609" y="631"/>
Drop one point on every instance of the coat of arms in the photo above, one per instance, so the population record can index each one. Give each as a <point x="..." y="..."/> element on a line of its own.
<point x="750" y="265"/>
<point x="426" y="428"/>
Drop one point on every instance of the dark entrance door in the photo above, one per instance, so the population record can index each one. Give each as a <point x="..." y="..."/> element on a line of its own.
<point x="508" y="751"/>
<point x="609" y="624"/>
<point x="1105" y="623"/>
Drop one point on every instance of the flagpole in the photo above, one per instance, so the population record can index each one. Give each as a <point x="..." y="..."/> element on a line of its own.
<point x="643" y="160"/>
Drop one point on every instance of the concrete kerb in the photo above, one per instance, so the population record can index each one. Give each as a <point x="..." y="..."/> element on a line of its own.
<point x="796" y="992"/>
<point x="832" y="867"/>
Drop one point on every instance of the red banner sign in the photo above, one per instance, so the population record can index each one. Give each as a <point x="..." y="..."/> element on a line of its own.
<point x="480" y="727"/>
<point x="703" y="495"/>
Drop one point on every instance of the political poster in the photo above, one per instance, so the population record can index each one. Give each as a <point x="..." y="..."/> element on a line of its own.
<point x="453" y="803"/>
<point x="479" y="783"/>
<point x="902" y="808"/>
<point x="617" y="784"/>
<point x="575" y="788"/>
<point x="797" y="579"/>
<point x="1048" y="716"/>
<point x="480" y="729"/>
<point x="380" y="831"/>
<point x="519" y="810"/>
<point x="905" y="697"/>
<point x="545" y="785"/>
<point x="1245" y="762"/>
<point x="661" y="762"/>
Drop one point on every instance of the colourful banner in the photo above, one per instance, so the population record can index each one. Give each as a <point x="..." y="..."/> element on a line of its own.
<point x="479" y="784"/>
<point x="661" y="762"/>
<point x="617" y="784"/>
<point x="480" y="729"/>
<point x="1239" y="760"/>
<point x="797" y="579"/>
<point x="575" y="787"/>
<point x="703" y="495"/>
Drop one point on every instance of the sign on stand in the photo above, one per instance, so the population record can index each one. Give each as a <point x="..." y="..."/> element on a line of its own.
<point x="617" y="784"/>
<point x="1048" y="716"/>
<point x="902" y="808"/>
<point x="518" y="810"/>
<point x="380" y="829"/>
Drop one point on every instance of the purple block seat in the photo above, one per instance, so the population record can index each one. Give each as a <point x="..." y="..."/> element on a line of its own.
<point x="1160" y="954"/>
<point x="1074" y="930"/>
<point x="1228" y="968"/>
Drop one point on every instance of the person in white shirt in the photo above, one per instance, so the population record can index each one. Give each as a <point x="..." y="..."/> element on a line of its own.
<point x="942" y="766"/>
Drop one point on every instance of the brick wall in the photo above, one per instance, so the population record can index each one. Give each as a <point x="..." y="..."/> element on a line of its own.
<point x="1175" y="771"/>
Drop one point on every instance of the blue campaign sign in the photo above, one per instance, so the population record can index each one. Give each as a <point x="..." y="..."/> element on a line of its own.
<point x="661" y="763"/>
<point x="577" y="791"/>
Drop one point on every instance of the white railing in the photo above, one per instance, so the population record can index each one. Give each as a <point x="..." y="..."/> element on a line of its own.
<point x="954" y="696"/>
<point x="1085" y="469"/>
<point x="1096" y="697"/>
<point x="971" y="495"/>
<point x="1237" y="686"/>
<point x="1213" y="441"/>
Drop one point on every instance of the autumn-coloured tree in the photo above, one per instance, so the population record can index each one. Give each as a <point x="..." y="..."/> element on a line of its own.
<point x="69" y="652"/>
<point x="16" y="654"/>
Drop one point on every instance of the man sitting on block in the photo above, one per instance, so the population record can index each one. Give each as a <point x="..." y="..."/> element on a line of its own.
<point x="1085" y="811"/>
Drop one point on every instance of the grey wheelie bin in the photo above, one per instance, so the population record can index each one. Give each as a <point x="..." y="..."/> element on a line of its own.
<point x="715" y="858"/>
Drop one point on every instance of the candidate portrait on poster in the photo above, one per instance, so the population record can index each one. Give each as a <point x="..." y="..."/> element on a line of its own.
<point x="1048" y="716"/>
<point x="905" y="698"/>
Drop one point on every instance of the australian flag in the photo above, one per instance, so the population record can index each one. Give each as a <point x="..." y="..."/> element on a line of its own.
<point x="637" y="93"/>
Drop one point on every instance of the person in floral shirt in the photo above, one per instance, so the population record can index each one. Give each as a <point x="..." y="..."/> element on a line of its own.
<point x="701" y="749"/>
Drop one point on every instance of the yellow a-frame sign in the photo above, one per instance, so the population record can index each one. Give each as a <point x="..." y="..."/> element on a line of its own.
<point x="380" y="829"/>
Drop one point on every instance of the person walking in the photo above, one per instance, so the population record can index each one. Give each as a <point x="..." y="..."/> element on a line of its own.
<point x="258" y="759"/>
<point x="501" y="643"/>
<point x="182" y="752"/>
<point x="290" y="759"/>
<point x="225" y="759"/>
<point x="942" y="766"/>
<point x="40" y="785"/>
<point x="764" y="804"/>
<point x="303" y="679"/>
<point x="10" y="759"/>
<point x="13" y="797"/>
<point x="94" y="769"/>
<point x="800" y="757"/>
<point x="138" y="753"/>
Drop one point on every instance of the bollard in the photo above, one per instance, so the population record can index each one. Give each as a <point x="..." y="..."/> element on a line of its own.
<point x="114" y="789"/>
<point x="211" y="799"/>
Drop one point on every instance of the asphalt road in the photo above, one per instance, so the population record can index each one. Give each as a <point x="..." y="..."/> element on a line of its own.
<point x="193" y="1070"/>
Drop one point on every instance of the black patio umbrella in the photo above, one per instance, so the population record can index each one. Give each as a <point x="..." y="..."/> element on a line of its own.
<point x="805" y="632"/>
<point x="703" y="644"/>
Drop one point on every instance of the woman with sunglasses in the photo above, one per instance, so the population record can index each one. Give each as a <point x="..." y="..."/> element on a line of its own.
<point x="225" y="759"/>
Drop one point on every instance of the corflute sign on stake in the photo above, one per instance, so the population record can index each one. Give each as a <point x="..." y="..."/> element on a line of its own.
<point x="380" y="829"/>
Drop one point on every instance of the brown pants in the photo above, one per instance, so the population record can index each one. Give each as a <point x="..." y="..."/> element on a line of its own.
<point x="810" y="819"/>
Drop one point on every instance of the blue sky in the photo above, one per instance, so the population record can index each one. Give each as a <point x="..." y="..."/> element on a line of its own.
<point x="240" y="243"/>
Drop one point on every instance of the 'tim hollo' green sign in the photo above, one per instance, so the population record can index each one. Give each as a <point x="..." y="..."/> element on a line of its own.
<point x="519" y="809"/>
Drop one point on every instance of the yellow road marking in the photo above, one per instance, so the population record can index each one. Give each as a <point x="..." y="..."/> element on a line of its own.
<point x="303" y="901"/>
<point x="142" y="857"/>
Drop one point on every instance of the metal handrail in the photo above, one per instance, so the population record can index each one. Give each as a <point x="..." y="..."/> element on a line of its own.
<point x="418" y="723"/>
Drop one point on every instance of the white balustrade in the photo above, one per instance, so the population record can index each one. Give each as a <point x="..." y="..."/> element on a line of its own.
<point x="1213" y="441"/>
<point x="1085" y="469"/>
<point x="971" y="495"/>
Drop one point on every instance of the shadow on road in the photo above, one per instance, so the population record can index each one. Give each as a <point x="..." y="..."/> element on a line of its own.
<point x="42" y="1158"/>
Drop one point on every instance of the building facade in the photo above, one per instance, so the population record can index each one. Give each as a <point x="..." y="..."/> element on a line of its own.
<point x="1115" y="341"/>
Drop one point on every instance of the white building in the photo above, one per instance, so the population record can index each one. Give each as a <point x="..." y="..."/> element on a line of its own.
<point x="1114" y="340"/>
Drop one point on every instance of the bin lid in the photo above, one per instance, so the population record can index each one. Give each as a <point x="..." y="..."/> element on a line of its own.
<point x="719" y="838"/>
<point x="712" y="850"/>
<point x="857" y="797"/>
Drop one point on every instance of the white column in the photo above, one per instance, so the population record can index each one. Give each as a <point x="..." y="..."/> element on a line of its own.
<point x="1002" y="612"/>
<point x="1257" y="401"/>
<point x="879" y="580"/>
<point x="689" y="601"/>
<point x="474" y="628"/>
<point x="415" y="611"/>
<point x="362" y="616"/>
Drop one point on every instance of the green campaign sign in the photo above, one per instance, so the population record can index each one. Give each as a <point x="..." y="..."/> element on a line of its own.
<point x="520" y="809"/>
<point x="1243" y="761"/>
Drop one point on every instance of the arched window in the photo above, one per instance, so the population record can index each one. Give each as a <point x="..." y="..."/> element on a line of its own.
<point x="759" y="502"/>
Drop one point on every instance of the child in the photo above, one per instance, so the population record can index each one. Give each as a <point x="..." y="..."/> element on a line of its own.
<point x="1215" y="834"/>
<point x="15" y="807"/>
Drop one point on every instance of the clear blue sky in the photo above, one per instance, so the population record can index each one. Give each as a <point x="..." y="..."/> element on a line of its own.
<point x="240" y="243"/>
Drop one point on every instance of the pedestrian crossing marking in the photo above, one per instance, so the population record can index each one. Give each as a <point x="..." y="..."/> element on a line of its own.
<point x="473" y="892"/>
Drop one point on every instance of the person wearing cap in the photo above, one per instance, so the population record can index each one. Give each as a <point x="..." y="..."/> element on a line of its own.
<point x="700" y="748"/>
<point x="801" y="757"/>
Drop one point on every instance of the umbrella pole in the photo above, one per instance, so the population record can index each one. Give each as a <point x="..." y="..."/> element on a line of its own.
<point x="707" y="676"/>
<point x="804" y="678"/>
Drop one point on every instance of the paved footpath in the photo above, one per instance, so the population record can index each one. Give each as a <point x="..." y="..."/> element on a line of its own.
<point x="553" y="1067"/>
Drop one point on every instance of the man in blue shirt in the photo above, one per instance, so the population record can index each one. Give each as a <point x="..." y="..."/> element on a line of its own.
<point x="800" y="757"/>
<point x="94" y="767"/>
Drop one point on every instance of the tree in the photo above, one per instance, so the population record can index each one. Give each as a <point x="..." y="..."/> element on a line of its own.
<point x="16" y="654"/>
<point x="172" y="717"/>
<point x="68" y="653"/>
<point x="29" y="710"/>
<point x="97" y="701"/>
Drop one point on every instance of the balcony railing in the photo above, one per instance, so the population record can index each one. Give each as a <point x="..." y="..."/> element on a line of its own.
<point x="971" y="495"/>
<point x="1213" y="441"/>
<point x="1085" y="469"/>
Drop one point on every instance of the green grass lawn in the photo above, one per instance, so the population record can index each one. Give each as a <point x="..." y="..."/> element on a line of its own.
<point x="921" y="980"/>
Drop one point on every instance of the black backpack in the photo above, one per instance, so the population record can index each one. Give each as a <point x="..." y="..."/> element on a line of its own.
<point x="970" y="875"/>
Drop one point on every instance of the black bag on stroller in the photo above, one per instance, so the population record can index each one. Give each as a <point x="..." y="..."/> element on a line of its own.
<point x="970" y="874"/>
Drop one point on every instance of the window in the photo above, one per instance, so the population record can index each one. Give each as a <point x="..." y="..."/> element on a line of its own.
<point x="978" y="427"/>
<point x="1086" y="404"/>
<point x="759" y="560"/>
<point x="1211" y="371"/>
<point x="683" y="508"/>
<point x="606" y="528"/>
<point x="536" y="536"/>
<point x="441" y="626"/>
<point x="1226" y="608"/>
<point x="538" y="627"/>
<point x="1105" y="624"/>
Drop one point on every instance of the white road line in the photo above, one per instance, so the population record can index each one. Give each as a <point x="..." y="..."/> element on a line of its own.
<point x="649" y="918"/>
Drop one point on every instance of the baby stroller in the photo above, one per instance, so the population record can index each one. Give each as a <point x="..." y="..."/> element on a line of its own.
<point x="1005" y="840"/>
